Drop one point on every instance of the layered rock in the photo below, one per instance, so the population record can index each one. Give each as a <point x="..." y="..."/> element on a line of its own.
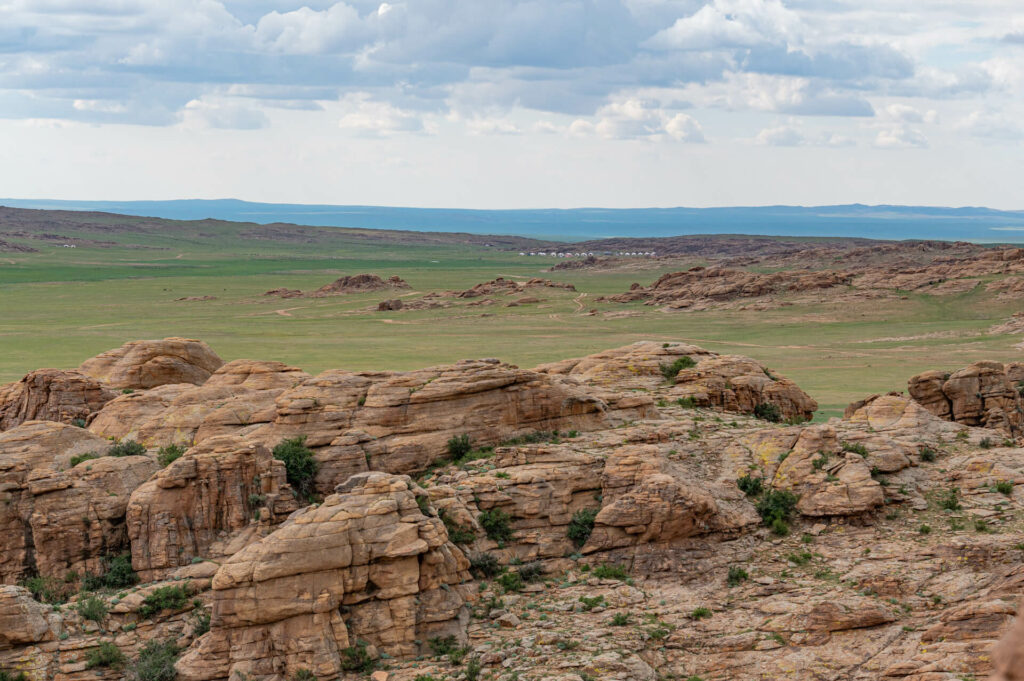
<point x="150" y="363"/>
<point x="981" y="394"/>
<point x="1009" y="654"/>
<point x="366" y="565"/>
<point x="730" y="382"/>
<point x="23" y="620"/>
<point x="51" y="395"/>
<point x="55" y="518"/>
<point x="502" y="286"/>
<point x="215" y="499"/>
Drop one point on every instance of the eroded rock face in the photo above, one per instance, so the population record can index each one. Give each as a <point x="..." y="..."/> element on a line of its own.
<point x="149" y="363"/>
<point x="729" y="382"/>
<point x="216" y="498"/>
<point x="23" y="619"/>
<point x="364" y="565"/>
<point x="51" y="395"/>
<point x="1009" y="654"/>
<point x="980" y="394"/>
<point x="55" y="518"/>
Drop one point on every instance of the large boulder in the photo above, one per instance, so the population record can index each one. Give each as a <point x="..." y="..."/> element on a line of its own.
<point x="51" y="395"/>
<point x="149" y="363"/>
<point x="365" y="565"/>
<point x="54" y="517"/>
<point x="23" y="619"/>
<point x="1008" y="659"/>
<point x="208" y="503"/>
<point x="981" y="394"/>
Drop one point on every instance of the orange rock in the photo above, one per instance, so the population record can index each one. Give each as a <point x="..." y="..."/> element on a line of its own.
<point x="149" y="363"/>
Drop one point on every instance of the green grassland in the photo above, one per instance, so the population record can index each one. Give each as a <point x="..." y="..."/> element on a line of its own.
<point x="59" y="306"/>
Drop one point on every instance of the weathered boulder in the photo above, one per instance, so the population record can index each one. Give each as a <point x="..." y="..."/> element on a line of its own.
<point x="55" y="518"/>
<point x="149" y="363"/>
<point x="22" y="618"/>
<point x="1008" y="657"/>
<point x="216" y="498"/>
<point x="51" y="395"/>
<point x="366" y="565"/>
<point x="980" y="394"/>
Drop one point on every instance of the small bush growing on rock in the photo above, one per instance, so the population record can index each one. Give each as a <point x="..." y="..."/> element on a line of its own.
<point x="819" y="463"/>
<point x="687" y="402"/>
<point x="105" y="655"/>
<point x="927" y="454"/>
<point x="304" y="675"/>
<point x="457" y="534"/>
<point x="92" y="608"/>
<point x="925" y="529"/>
<point x="126" y="448"/>
<point x="949" y="499"/>
<point x="202" y="623"/>
<point x="510" y="582"/>
<point x="78" y="423"/>
<point x="299" y="464"/>
<point x="425" y="677"/>
<point x="88" y="456"/>
<point x="700" y="613"/>
<point x="581" y="525"/>
<point x="768" y="412"/>
<point x="671" y="370"/>
<point x="169" y="454"/>
<point x="749" y="486"/>
<point x="443" y="645"/>
<point x="9" y="676"/>
<point x="855" y="447"/>
<point x="775" y="508"/>
<point x="605" y="571"/>
<point x="1004" y="487"/>
<point x="117" y="574"/>
<point x="155" y="662"/>
<point x="473" y="668"/>
<point x="531" y="572"/>
<point x="496" y="525"/>
<point x="48" y="589"/>
<point x="620" y="619"/>
<point x="484" y="564"/>
<point x="802" y="558"/>
<point x="591" y="602"/>
<point x="459" y="446"/>
<point x="736" y="576"/>
<point x="356" y="659"/>
<point x="986" y="443"/>
<point x="164" y="598"/>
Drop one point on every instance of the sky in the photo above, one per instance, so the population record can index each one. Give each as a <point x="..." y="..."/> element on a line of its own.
<point x="515" y="103"/>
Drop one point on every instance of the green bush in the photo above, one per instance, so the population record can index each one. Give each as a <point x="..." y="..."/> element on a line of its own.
<point x="169" y="454"/>
<point x="581" y="525"/>
<point x="473" y="668"/>
<point x="927" y="454"/>
<point x="531" y="572"/>
<point x="202" y="624"/>
<point x="299" y="465"/>
<point x="117" y="574"/>
<point x="164" y="598"/>
<point x="986" y="443"/>
<point x="670" y="371"/>
<point x="949" y="499"/>
<point x="510" y="582"/>
<point x="700" y="613"/>
<point x="356" y="659"/>
<point x="591" y="602"/>
<point x="605" y="571"/>
<point x="303" y="675"/>
<point x="457" y="534"/>
<point x="687" y="402"/>
<point x="619" y="619"/>
<point x="536" y="437"/>
<point x="496" y="525"/>
<point x="484" y="565"/>
<point x="750" y="486"/>
<point x="78" y="423"/>
<point x="459" y="446"/>
<point x="802" y="558"/>
<point x="49" y="590"/>
<point x="105" y="655"/>
<point x="155" y="662"/>
<point x="88" y="456"/>
<point x="855" y="447"/>
<point x="768" y="412"/>
<point x="443" y="645"/>
<point x="736" y="576"/>
<point x="9" y="676"/>
<point x="925" y="529"/>
<point x="776" y="505"/>
<point x="92" y="608"/>
<point x="1004" y="487"/>
<point x="126" y="448"/>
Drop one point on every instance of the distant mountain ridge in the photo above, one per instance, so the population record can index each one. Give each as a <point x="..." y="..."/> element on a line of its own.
<point x="853" y="220"/>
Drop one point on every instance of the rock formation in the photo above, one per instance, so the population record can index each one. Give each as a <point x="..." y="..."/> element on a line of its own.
<point x="147" y="364"/>
<point x="51" y="395"/>
<point x="981" y="394"/>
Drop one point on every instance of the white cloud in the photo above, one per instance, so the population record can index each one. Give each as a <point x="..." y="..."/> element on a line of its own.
<point x="373" y="118"/>
<point x="992" y="125"/>
<point x="907" y="114"/>
<point x="781" y="136"/>
<point x="731" y="23"/>
<point x="205" y="113"/>
<point x="633" y="118"/>
<point x="900" y="137"/>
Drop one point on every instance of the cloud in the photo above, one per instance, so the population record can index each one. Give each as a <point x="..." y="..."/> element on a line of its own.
<point x="991" y="125"/>
<point x="632" y="118"/>
<point x="200" y="113"/>
<point x="900" y="137"/>
<point x="371" y="118"/>
<point x="781" y="136"/>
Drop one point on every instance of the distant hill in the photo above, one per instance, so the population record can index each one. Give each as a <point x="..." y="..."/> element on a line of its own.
<point x="855" y="220"/>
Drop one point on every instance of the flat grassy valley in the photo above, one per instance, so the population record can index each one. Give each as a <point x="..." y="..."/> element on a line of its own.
<point x="132" y="278"/>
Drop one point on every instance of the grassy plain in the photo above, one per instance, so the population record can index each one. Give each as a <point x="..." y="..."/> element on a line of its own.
<point x="59" y="306"/>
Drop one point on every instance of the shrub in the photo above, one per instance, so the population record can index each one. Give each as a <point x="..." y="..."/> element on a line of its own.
<point x="126" y="448"/>
<point x="736" y="576"/>
<point x="459" y="446"/>
<point x="458" y="534"/>
<point x="749" y="486"/>
<point x="88" y="456"/>
<point x="511" y="581"/>
<point x="298" y="464"/>
<point x="768" y="412"/>
<point x="671" y="370"/>
<point x="92" y="608"/>
<point x="202" y="623"/>
<point x="687" y="402"/>
<point x="105" y="655"/>
<point x="531" y="572"/>
<point x="48" y="589"/>
<point x="484" y="564"/>
<point x="424" y="677"/>
<point x="8" y="676"/>
<point x="535" y="437"/>
<point x="775" y="505"/>
<point x="927" y="454"/>
<point x="986" y="443"/>
<point x="1004" y="487"/>
<point x="356" y="659"/>
<point x="304" y="675"/>
<point x="779" y="527"/>
<point x="164" y="598"/>
<point x="605" y="571"/>
<point x="443" y="645"/>
<point x="496" y="525"/>
<point x="591" y="602"/>
<point x="117" y="574"/>
<point x="982" y="527"/>
<point x="473" y="668"/>
<point x="855" y="447"/>
<point x="78" y="423"/>
<point x="925" y="529"/>
<point x="581" y="525"/>
<point x="155" y="662"/>
<point x="167" y="455"/>
<point x="802" y="558"/>
<point x="819" y="463"/>
<point x="700" y="613"/>
<point x="950" y="499"/>
<point x="619" y="619"/>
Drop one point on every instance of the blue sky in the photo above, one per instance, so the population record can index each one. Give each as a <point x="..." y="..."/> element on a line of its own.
<point x="506" y="103"/>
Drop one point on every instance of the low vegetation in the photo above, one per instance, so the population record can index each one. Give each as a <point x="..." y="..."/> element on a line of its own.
<point x="581" y="525"/>
<point x="299" y="464"/>
<point x="171" y="597"/>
